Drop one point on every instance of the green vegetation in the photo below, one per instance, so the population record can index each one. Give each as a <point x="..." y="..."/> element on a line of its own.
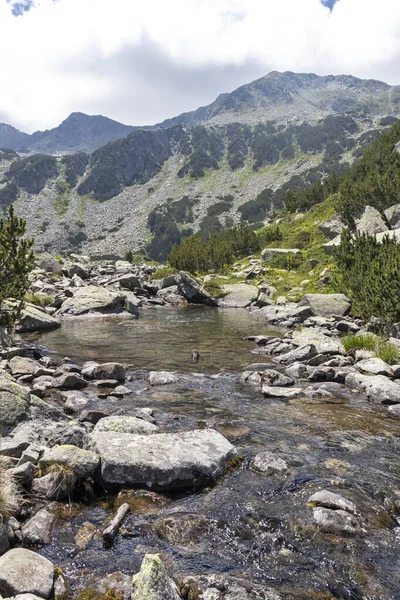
<point x="61" y="202"/>
<point x="163" y="272"/>
<point x="38" y="300"/>
<point x="16" y="262"/>
<point x="369" y="272"/>
<point x="382" y="349"/>
<point x="219" y="251"/>
<point x="359" y="341"/>
<point x="164" y="223"/>
<point x="375" y="179"/>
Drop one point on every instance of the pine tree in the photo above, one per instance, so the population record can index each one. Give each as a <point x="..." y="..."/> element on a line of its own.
<point x="16" y="262"/>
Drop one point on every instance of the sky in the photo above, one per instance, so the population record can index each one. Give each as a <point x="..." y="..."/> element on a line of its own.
<point x="142" y="61"/>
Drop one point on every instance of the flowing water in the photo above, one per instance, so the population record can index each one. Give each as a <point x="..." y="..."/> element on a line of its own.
<point x="249" y="523"/>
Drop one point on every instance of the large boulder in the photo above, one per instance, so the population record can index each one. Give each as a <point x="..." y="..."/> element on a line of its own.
<point x="239" y="295"/>
<point x="123" y="424"/>
<point x="194" y="292"/>
<point x="370" y="221"/>
<point x="392" y="215"/>
<point x="110" y="370"/>
<point x="323" y="343"/>
<point x="326" y="305"/>
<point x="14" y="404"/>
<point x="49" y="264"/>
<point x="25" y="572"/>
<point x="152" y="581"/>
<point x="378" y="388"/>
<point x="34" y="318"/>
<point x="93" y="299"/>
<point x="332" y="227"/>
<point x="268" y="254"/>
<point x="189" y="459"/>
<point x="81" y="462"/>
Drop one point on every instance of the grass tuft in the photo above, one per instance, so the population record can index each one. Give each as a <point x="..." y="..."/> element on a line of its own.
<point x="360" y="341"/>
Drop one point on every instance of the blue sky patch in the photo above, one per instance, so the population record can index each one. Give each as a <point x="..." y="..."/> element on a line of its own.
<point x="20" y="7"/>
<point x="329" y="3"/>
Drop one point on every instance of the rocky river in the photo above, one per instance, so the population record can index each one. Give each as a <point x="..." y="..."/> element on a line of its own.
<point x="286" y="480"/>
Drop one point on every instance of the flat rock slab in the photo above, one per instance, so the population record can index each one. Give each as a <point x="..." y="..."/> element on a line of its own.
<point x="35" y="319"/>
<point x="378" y="388"/>
<point x="281" y="392"/>
<point x="124" y="424"/>
<point x="239" y="295"/>
<point x="92" y="298"/>
<point x="163" y="460"/>
<point x="39" y="528"/>
<point x="327" y="305"/>
<point x="25" y="572"/>
<point x="324" y="344"/>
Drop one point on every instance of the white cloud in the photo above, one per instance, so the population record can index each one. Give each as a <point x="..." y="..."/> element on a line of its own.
<point x="141" y="61"/>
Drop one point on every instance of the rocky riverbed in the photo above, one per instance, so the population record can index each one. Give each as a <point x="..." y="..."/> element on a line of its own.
<point x="160" y="478"/>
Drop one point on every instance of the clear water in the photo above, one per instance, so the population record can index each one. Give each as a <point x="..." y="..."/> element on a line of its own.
<point x="256" y="525"/>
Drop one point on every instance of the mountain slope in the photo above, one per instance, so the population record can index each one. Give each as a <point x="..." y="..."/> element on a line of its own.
<point x="78" y="132"/>
<point x="157" y="185"/>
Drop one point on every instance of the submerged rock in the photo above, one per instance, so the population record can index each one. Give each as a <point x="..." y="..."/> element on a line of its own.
<point x="225" y="587"/>
<point x="190" y="459"/>
<point x="270" y="464"/>
<point x="152" y="581"/>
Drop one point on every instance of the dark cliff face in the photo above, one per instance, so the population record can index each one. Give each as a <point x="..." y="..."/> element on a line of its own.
<point x="134" y="159"/>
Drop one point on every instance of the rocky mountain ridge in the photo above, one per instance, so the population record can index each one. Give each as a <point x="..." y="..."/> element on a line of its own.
<point x="231" y="161"/>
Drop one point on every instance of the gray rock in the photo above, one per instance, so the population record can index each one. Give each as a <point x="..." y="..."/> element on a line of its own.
<point x="326" y="305"/>
<point x="110" y="370"/>
<point x="370" y="221"/>
<point x="124" y="424"/>
<point x="25" y="572"/>
<point x="89" y="368"/>
<point x="392" y="215"/>
<point x="323" y="343"/>
<point x="300" y="354"/>
<point x="279" y="314"/>
<point x="23" y="473"/>
<point x="49" y="264"/>
<point x="68" y="381"/>
<point x="332" y="227"/>
<point x="331" y="246"/>
<point x="80" y="270"/>
<point x="21" y="365"/>
<point x="333" y="501"/>
<point x="128" y="282"/>
<point x="38" y="530"/>
<point x="239" y="295"/>
<point x="336" y="520"/>
<point x="297" y="371"/>
<point x="270" y="464"/>
<point x="376" y="366"/>
<point x="93" y="299"/>
<point x="378" y="388"/>
<point x="225" y="587"/>
<point x="268" y="254"/>
<point x="35" y="319"/>
<point x="281" y="392"/>
<point x="75" y="402"/>
<point x="274" y="378"/>
<point x="162" y="460"/>
<point x="194" y="292"/>
<point x="4" y="539"/>
<point x="82" y="462"/>
<point x="152" y="581"/>
<point x="132" y="303"/>
<point x="14" y="404"/>
<point x="161" y="378"/>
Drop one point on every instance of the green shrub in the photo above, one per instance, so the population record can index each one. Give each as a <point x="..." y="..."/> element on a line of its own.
<point x="369" y="272"/>
<point x="388" y="352"/>
<point x="163" y="272"/>
<point x="37" y="299"/>
<point x="360" y="341"/>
